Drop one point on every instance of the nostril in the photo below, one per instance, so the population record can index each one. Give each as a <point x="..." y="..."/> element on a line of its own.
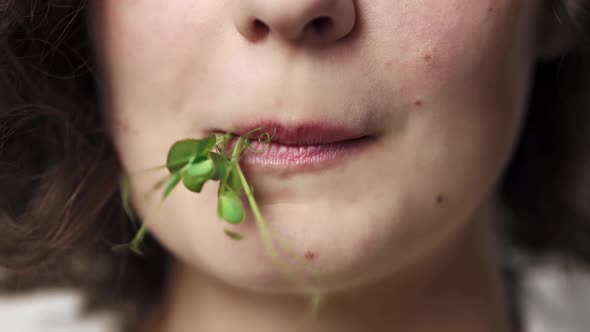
<point x="319" y="22"/>
<point x="321" y="25"/>
<point x="259" y="29"/>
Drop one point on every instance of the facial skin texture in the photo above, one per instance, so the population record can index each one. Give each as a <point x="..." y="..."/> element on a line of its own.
<point x="442" y="84"/>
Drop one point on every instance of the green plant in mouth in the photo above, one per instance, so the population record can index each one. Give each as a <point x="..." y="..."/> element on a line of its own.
<point x="193" y="162"/>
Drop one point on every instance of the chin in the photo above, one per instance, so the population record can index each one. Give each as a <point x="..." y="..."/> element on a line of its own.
<point x="345" y="250"/>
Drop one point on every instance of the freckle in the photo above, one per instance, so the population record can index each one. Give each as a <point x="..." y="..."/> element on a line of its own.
<point x="428" y="57"/>
<point x="439" y="199"/>
<point x="309" y="255"/>
<point x="491" y="9"/>
<point x="418" y="103"/>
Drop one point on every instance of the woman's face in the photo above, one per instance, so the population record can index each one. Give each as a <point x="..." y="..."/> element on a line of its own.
<point x="440" y="85"/>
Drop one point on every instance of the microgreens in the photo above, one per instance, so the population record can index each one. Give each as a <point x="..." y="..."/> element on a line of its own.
<point x="193" y="162"/>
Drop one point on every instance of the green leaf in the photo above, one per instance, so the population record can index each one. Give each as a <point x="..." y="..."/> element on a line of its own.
<point x="221" y="164"/>
<point x="230" y="208"/>
<point x="229" y="180"/>
<point x="171" y="184"/>
<point x="233" y="235"/>
<point x="206" y="144"/>
<point x="194" y="183"/>
<point x="195" y="175"/>
<point x="184" y="151"/>
<point x="181" y="153"/>
<point x="203" y="168"/>
<point x="233" y="181"/>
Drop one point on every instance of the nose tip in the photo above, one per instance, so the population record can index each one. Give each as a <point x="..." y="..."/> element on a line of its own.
<point x="322" y="21"/>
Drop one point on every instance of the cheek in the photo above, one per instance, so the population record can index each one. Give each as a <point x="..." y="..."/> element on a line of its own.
<point x="458" y="75"/>
<point x="463" y="81"/>
<point x="429" y="43"/>
<point x="156" y="26"/>
<point x="160" y="42"/>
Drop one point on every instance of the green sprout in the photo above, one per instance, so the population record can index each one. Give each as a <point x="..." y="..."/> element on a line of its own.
<point x="193" y="162"/>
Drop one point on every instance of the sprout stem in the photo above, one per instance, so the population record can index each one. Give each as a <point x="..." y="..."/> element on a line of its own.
<point x="135" y="244"/>
<point x="265" y="233"/>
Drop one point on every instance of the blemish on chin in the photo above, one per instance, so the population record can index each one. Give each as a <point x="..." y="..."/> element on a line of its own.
<point x="309" y="255"/>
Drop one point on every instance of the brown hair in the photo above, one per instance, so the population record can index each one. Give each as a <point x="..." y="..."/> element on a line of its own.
<point x="59" y="173"/>
<point x="59" y="208"/>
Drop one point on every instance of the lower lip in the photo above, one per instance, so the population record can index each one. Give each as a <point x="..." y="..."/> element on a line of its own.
<point x="306" y="157"/>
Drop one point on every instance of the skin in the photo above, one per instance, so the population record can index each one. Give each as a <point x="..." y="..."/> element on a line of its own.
<point x="394" y="232"/>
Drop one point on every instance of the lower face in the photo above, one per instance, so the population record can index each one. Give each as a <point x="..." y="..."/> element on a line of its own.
<point x="441" y="86"/>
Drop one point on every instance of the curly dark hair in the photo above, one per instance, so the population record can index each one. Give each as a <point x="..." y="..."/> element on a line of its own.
<point x="59" y="173"/>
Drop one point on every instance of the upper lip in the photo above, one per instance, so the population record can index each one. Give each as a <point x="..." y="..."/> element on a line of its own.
<point x="303" y="133"/>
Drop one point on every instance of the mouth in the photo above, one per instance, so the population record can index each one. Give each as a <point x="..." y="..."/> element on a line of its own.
<point x="301" y="147"/>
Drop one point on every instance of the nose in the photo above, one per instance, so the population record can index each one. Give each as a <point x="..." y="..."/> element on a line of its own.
<point x="323" y="21"/>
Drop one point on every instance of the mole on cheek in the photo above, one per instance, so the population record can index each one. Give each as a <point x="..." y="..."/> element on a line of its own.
<point x="418" y="103"/>
<point x="309" y="255"/>
<point x="439" y="199"/>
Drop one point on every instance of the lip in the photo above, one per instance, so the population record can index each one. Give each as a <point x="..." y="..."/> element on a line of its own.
<point x="300" y="147"/>
<point x="311" y="133"/>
